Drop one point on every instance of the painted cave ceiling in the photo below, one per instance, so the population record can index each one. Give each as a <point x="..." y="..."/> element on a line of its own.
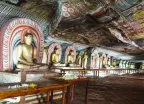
<point x="112" y="24"/>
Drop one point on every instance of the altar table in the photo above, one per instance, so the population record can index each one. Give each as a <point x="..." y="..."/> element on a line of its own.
<point x="42" y="87"/>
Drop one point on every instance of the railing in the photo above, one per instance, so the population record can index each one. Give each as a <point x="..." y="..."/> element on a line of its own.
<point x="97" y="72"/>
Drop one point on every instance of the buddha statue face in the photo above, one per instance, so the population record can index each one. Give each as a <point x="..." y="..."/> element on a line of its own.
<point x="79" y="53"/>
<point x="85" y="53"/>
<point x="56" y="50"/>
<point x="28" y="38"/>
<point x="71" y="52"/>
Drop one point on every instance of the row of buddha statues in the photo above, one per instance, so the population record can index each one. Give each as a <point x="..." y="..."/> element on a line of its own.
<point x="123" y="64"/>
<point x="25" y="56"/>
<point x="81" y="60"/>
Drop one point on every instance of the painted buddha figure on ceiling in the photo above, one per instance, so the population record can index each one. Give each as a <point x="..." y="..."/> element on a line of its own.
<point x="55" y="56"/>
<point x="25" y="54"/>
<point x="70" y="58"/>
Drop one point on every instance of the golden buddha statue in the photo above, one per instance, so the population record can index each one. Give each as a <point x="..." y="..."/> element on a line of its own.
<point x="70" y="58"/>
<point x="84" y="60"/>
<point x="114" y="63"/>
<point x="79" y="58"/>
<point x="26" y="54"/>
<point x="108" y="62"/>
<point x="55" y="56"/>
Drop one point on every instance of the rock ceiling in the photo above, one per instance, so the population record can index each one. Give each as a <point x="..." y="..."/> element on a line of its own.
<point x="112" y="24"/>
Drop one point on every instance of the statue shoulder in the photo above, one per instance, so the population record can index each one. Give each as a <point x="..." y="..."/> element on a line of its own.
<point x="20" y="46"/>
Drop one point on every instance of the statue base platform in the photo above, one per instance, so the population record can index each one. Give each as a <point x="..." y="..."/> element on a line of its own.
<point x="26" y="75"/>
<point x="58" y="64"/>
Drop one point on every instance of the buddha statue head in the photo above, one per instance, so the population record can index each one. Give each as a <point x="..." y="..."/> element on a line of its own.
<point x="85" y="52"/>
<point x="71" y="52"/>
<point x="56" y="50"/>
<point x="28" y="39"/>
<point x="79" y="53"/>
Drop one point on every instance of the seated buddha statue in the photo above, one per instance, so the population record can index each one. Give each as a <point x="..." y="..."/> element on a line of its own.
<point x="84" y="60"/>
<point x="55" y="57"/>
<point x="108" y="62"/>
<point x="25" y="54"/>
<point x="70" y="58"/>
<point x="114" y="63"/>
<point x="79" y="58"/>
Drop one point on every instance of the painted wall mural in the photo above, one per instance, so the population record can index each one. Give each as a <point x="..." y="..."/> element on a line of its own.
<point x="67" y="9"/>
<point x="84" y="21"/>
<point x="12" y="34"/>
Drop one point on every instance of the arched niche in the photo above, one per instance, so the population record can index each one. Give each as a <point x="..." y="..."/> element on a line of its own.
<point x="67" y="51"/>
<point x="95" y="59"/>
<point x="12" y="33"/>
<point x="51" y="50"/>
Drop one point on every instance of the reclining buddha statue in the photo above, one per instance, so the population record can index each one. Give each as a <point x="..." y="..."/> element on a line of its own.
<point x="25" y="55"/>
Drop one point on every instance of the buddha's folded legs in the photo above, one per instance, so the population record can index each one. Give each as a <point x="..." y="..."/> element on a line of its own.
<point x="22" y="66"/>
<point x="32" y="67"/>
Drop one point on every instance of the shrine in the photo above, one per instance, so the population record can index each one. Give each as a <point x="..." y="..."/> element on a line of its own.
<point x="52" y="50"/>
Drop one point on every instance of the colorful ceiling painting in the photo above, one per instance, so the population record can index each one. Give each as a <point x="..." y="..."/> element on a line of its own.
<point x="111" y="24"/>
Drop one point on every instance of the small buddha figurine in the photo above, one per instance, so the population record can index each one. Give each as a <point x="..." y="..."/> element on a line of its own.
<point x="70" y="58"/>
<point x="79" y="58"/>
<point x="55" y="56"/>
<point x="84" y="60"/>
<point x="25" y="54"/>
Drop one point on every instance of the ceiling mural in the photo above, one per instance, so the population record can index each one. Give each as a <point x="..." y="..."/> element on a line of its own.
<point x="45" y="10"/>
<point x="111" y="24"/>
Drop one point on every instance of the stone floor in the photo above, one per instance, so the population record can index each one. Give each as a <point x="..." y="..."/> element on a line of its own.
<point x="125" y="89"/>
<point x="112" y="90"/>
